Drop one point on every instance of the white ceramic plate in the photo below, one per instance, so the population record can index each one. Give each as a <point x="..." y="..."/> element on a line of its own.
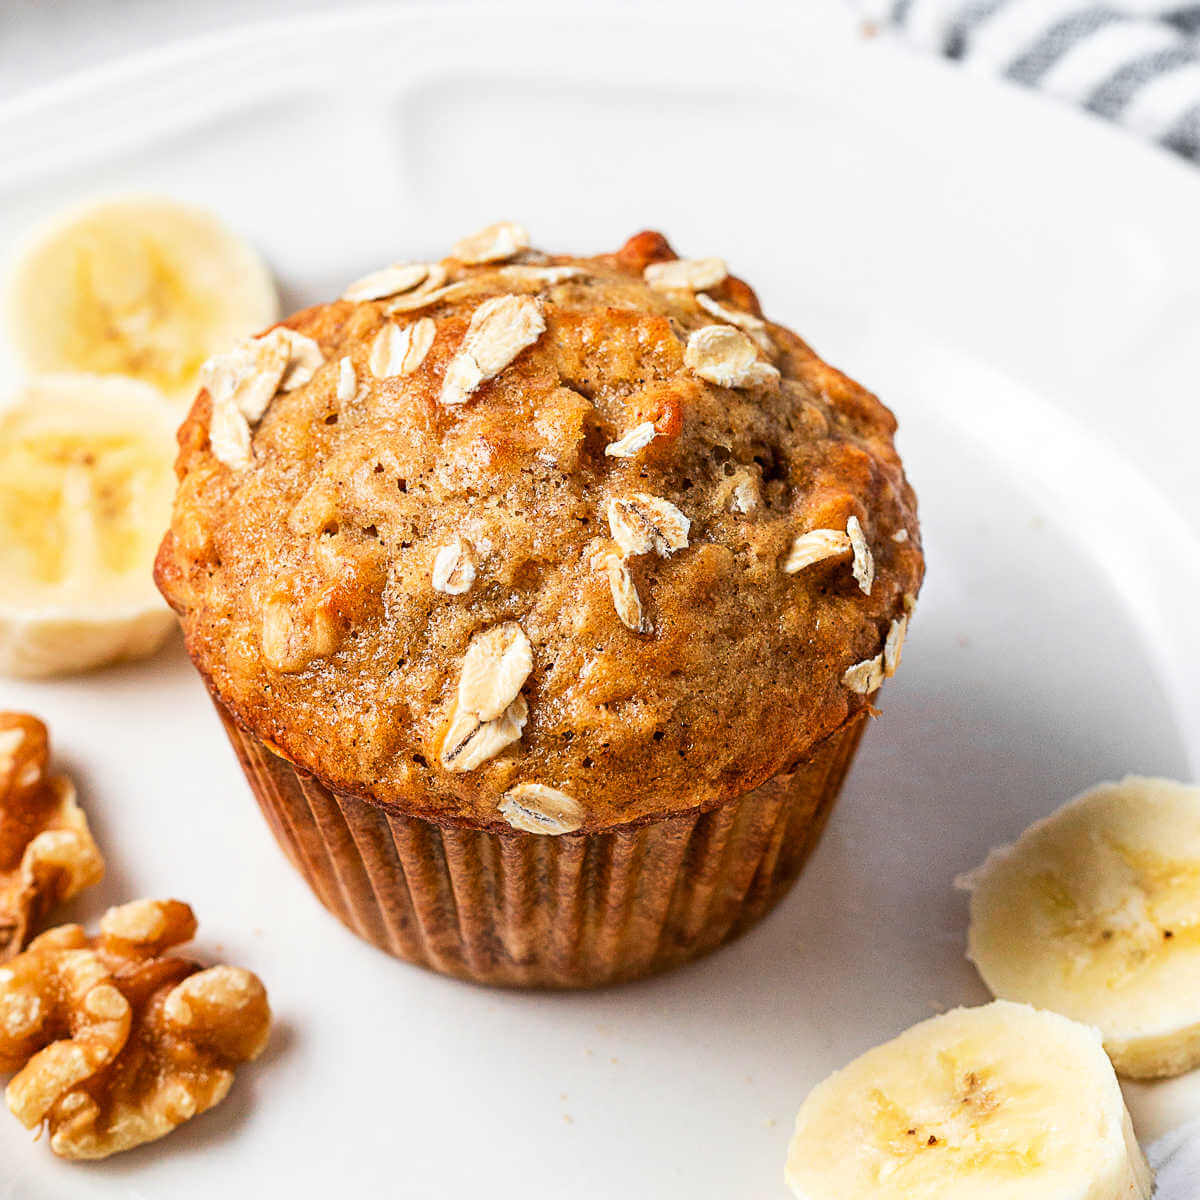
<point x="1019" y="283"/>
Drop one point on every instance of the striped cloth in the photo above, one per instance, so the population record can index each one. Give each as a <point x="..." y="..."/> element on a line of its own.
<point x="1134" y="62"/>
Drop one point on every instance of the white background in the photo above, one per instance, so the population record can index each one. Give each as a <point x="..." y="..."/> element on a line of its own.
<point x="41" y="40"/>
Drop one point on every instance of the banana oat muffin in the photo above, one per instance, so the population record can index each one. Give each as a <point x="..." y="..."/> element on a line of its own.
<point x="516" y="544"/>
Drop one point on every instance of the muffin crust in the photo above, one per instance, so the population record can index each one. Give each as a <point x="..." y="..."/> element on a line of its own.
<point x="331" y="589"/>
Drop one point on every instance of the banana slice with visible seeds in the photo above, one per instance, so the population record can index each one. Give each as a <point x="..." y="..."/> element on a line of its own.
<point x="1001" y="1102"/>
<point x="1094" y="912"/>
<point x="137" y="286"/>
<point x="86" y="483"/>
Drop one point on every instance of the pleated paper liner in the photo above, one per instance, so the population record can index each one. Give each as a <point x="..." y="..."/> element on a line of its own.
<point x="528" y="910"/>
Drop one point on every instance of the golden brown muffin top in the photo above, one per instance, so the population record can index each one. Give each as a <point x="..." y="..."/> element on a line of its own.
<point x="539" y="541"/>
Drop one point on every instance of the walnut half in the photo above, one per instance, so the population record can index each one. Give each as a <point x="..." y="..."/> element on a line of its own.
<point x="115" y="1042"/>
<point x="47" y="854"/>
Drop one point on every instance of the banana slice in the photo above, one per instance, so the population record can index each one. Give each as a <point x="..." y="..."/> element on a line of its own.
<point x="1095" y="913"/>
<point x="139" y="286"/>
<point x="995" y="1103"/>
<point x="85" y="493"/>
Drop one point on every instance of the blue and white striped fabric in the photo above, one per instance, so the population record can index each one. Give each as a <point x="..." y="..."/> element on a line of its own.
<point x="1134" y="62"/>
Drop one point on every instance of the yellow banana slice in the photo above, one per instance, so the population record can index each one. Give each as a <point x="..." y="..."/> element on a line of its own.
<point x="137" y="286"/>
<point x="85" y="493"/>
<point x="1095" y="912"/>
<point x="1000" y="1102"/>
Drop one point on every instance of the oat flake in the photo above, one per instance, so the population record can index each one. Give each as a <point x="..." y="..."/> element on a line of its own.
<point x="400" y="350"/>
<point x="347" y="381"/>
<point x="242" y="382"/>
<point x="304" y="357"/>
<point x="756" y="327"/>
<point x="691" y="274"/>
<point x="495" y="667"/>
<point x="865" y="677"/>
<point x="247" y="376"/>
<point x="864" y="561"/>
<point x="745" y="496"/>
<point x="894" y="645"/>
<point x="626" y="602"/>
<point x="391" y="281"/>
<point x="229" y="436"/>
<point x="642" y="523"/>
<point x="541" y="276"/>
<point x="814" y="547"/>
<point x="535" y="808"/>
<point x="638" y="438"/>
<point x="500" y="329"/>
<point x="493" y="243"/>
<point x="432" y="291"/>
<point x="725" y="356"/>
<point x="469" y="742"/>
<point x="453" y="570"/>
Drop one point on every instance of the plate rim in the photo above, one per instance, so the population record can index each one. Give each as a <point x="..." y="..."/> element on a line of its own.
<point x="1053" y="117"/>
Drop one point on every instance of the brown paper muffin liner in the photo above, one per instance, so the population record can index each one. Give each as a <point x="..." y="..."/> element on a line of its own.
<point x="528" y="910"/>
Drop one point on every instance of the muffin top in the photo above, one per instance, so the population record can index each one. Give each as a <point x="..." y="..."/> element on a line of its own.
<point x="540" y="541"/>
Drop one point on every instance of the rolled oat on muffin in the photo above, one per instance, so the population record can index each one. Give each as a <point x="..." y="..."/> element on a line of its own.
<point x="545" y="651"/>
